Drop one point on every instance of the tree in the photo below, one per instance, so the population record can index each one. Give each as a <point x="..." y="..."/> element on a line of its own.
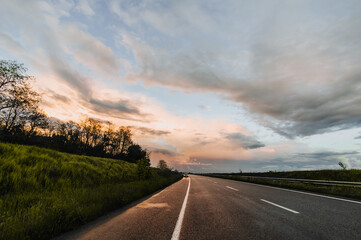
<point x="135" y="152"/>
<point x="18" y="100"/>
<point x="108" y="139"/>
<point x="37" y="120"/>
<point x="162" y="165"/>
<point x="92" y="130"/>
<point x="165" y="171"/>
<point x="342" y="165"/>
<point x="123" y="140"/>
<point x="69" y="138"/>
<point x="22" y="121"/>
<point x="11" y="75"/>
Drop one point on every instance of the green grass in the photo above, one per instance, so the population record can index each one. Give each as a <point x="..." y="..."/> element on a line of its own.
<point x="45" y="192"/>
<point x="352" y="175"/>
<point x="344" y="191"/>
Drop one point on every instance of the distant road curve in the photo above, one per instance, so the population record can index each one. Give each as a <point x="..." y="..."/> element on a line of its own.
<point x="213" y="208"/>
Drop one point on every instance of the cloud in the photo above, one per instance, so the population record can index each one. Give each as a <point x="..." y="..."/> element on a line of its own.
<point x="58" y="97"/>
<point x="123" y="106"/>
<point x="204" y="107"/>
<point x="64" y="48"/>
<point x="295" y="67"/>
<point x="70" y="76"/>
<point x="324" y="155"/>
<point x="89" y="51"/>
<point x="244" y="141"/>
<point x="149" y="131"/>
<point x="84" y="6"/>
<point x="163" y="151"/>
<point x="9" y="42"/>
<point x="358" y="137"/>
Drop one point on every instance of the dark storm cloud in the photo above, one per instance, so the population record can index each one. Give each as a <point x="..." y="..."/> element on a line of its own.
<point x="244" y="141"/>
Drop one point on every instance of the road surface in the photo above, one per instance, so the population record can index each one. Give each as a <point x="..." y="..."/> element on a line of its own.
<point x="225" y="209"/>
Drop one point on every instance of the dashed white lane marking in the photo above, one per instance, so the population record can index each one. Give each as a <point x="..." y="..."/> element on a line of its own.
<point x="232" y="188"/>
<point x="306" y="193"/>
<point x="178" y="225"/>
<point x="274" y="204"/>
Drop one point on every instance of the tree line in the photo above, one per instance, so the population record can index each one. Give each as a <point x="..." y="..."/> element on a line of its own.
<point x="23" y="122"/>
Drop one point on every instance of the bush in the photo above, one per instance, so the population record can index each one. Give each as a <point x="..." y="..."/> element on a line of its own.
<point x="143" y="169"/>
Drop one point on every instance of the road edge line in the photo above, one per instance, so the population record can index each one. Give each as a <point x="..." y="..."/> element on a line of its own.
<point x="178" y="226"/>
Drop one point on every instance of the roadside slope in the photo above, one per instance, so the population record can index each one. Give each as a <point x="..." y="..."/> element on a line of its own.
<point x="45" y="192"/>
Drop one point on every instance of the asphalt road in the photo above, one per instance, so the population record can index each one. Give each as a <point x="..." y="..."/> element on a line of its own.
<point x="225" y="209"/>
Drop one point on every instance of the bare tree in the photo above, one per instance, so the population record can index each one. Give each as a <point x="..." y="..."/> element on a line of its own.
<point x="71" y="132"/>
<point x="18" y="100"/>
<point x="125" y="136"/>
<point x="108" y="138"/>
<point x="37" y="120"/>
<point x="12" y="74"/>
<point x="121" y="140"/>
<point x="92" y="130"/>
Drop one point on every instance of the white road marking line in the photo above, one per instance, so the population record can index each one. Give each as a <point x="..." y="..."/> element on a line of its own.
<point x="306" y="193"/>
<point x="215" y="182"/>
<point x="274" y="204"/>
<point x="232" y="188"/>
<point x="178" y="225"/>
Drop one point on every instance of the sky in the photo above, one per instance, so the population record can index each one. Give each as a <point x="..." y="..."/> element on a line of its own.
<point x="208" y="86"/>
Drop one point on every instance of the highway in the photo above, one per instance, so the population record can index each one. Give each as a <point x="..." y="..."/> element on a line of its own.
<point x="201" y="207"/>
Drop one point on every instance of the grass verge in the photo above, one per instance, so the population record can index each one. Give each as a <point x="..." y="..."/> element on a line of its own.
<point x="45" y="192"/>
<point x="351" y="175"/>
<point x="349" y="192"/>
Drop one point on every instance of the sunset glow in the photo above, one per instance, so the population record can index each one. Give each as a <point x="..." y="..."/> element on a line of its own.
<point x="208" y="86"/>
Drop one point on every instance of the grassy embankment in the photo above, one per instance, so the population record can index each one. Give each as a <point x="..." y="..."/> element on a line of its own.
<point x="45" y="192"/>
<point x="352" y="175"/>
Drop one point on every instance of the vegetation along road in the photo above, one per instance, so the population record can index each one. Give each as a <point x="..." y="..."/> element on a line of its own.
<point x="201" y="207"/>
